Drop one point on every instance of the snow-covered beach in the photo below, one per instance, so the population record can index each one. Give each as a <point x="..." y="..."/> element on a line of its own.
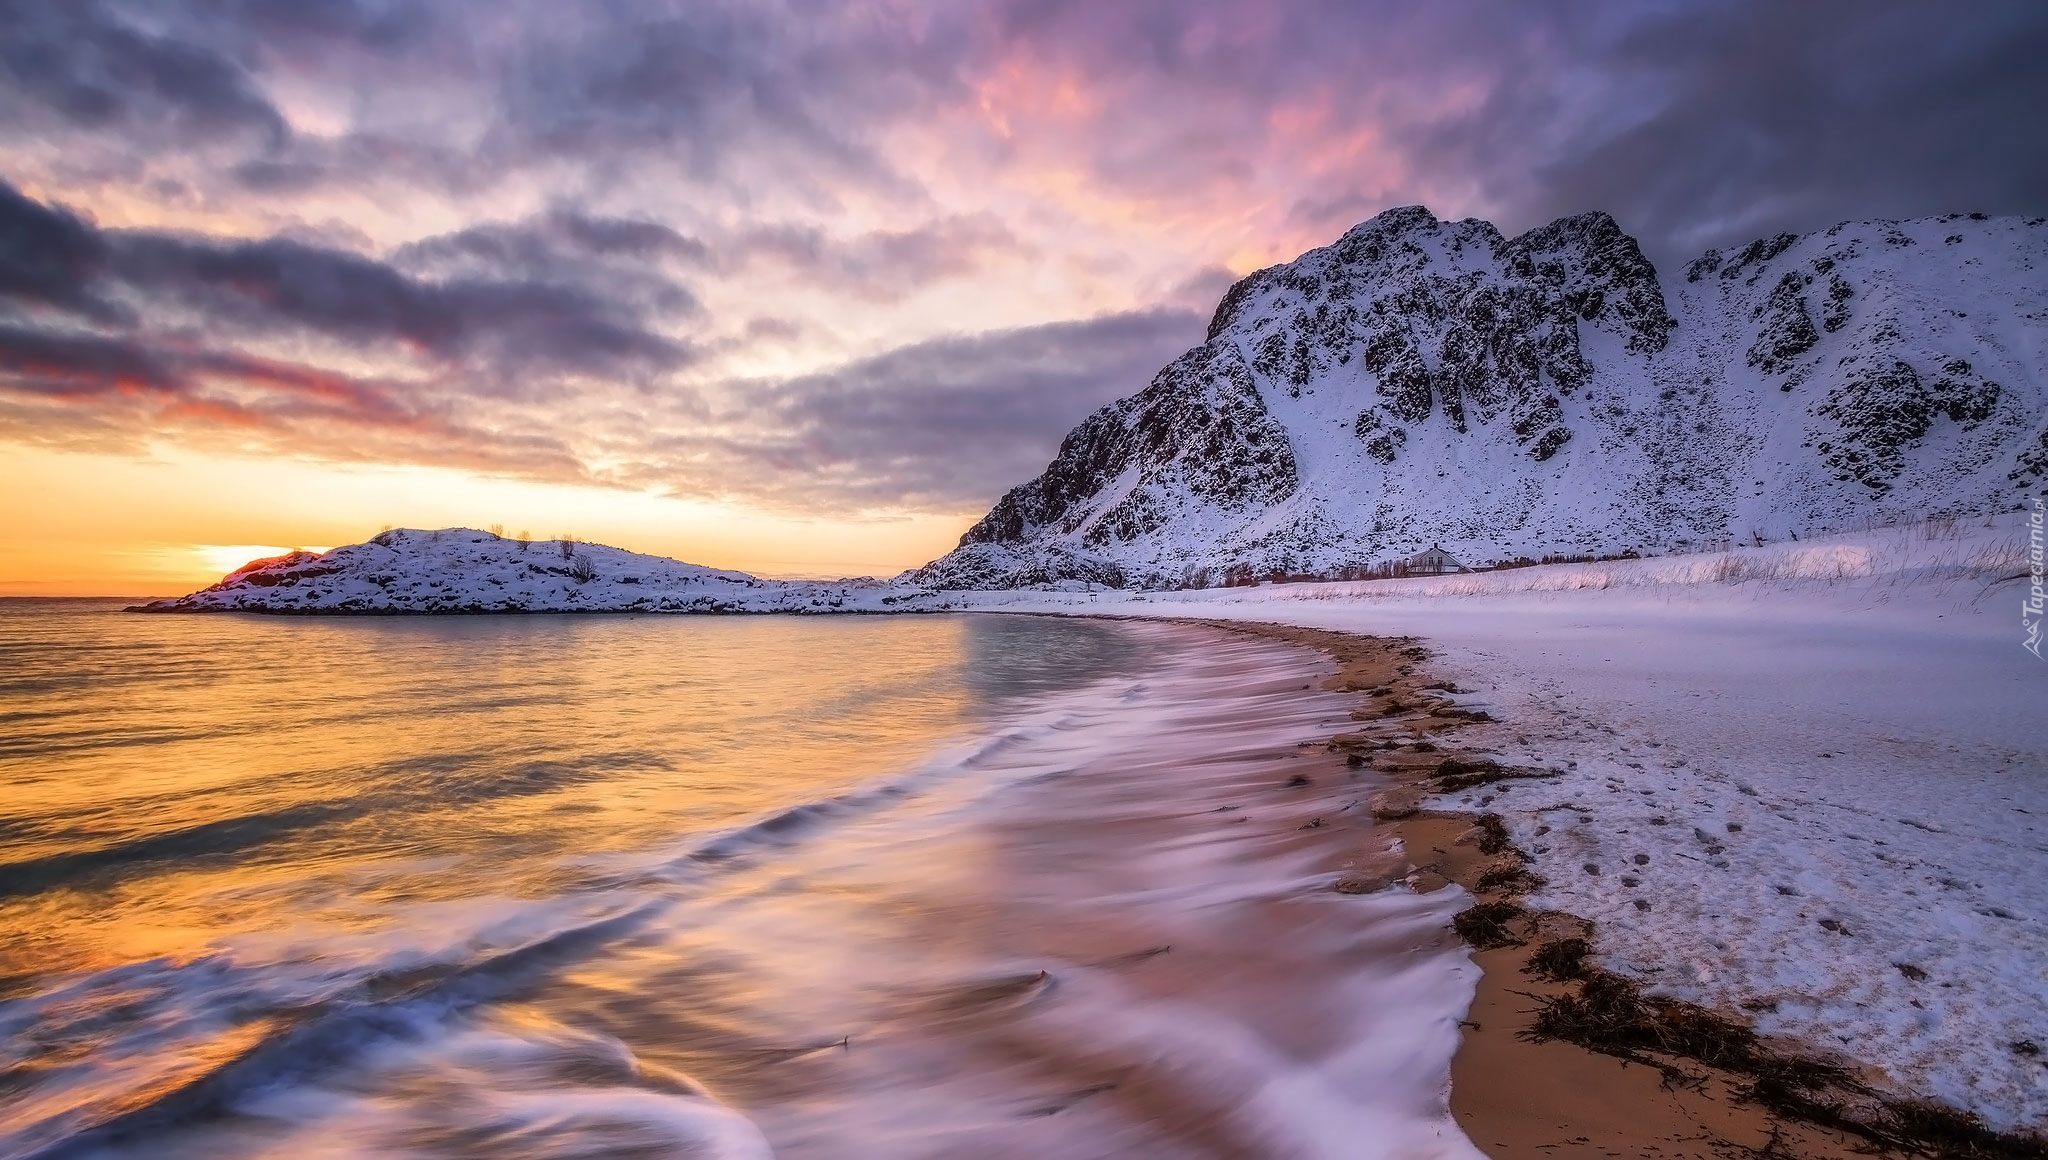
<point x="1804" y="781"/>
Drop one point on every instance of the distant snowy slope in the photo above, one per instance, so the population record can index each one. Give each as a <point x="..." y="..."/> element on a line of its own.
<point x="1426" y="382"/>
<point x="463" y="570"/>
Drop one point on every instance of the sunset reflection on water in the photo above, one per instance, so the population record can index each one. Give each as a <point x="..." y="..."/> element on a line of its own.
<point x="215" y="826"/>
<point x="526" y="888"/>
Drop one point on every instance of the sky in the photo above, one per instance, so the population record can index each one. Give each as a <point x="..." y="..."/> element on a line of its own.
<point x="801" y="288"/>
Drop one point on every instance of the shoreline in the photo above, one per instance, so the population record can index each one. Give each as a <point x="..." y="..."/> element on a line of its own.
<point x="1559" y="1057"/>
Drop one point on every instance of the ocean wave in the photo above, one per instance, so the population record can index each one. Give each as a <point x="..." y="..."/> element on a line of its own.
<point x="296" y="1042"/>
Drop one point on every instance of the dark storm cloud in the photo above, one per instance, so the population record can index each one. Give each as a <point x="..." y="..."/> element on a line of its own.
<point x="551" y="246"/>
<point x="939" y="425"/>
<point x="108" y="393"/>
<point x="503" y="319"/>
<point x="1683" y="119"/>
<point x="508" y="327"/>
<point x="48" y="256"/>
<point x="1693" y="123"/>
<point x="147" y="332"/>
<point x="608" y="86"/>
<point x="1718" y="122"/>
<point x="638" y="262"/>
<point x="688" y="77"/>
<point x="59" y="365"/>
<point x="80" y="64"/>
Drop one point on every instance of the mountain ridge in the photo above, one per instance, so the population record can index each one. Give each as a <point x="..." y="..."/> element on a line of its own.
<point x="1422" y="381"/>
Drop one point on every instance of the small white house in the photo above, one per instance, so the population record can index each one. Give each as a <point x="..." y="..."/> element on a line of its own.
<point x="1434" y="562"/>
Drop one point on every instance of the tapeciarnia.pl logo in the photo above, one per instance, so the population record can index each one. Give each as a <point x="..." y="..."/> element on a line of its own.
<point x="2031" y="609"/>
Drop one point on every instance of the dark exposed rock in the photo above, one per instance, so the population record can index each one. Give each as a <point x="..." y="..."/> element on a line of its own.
<point x="1787" y="331"/>
<point x="1602" y="273"/>
<point x="1201" y="424"/>
<point x="1757" y="253"/>
<point x="1382" y="440"/>
<point x="1232" y="307"/>
<point x="1834" y="312"/>
<point x="2032" y="462"/>
<point x="1877" y="413"/>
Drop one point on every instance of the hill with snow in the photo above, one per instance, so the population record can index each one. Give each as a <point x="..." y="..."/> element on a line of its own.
<point x="1423" y="382"/>
<point x="461" y="570"/>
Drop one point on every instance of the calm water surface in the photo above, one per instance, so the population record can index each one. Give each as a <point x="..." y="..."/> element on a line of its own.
<point x="669" y="887"/>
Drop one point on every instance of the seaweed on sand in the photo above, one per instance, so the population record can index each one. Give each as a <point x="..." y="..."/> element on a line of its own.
<point x="1509" y="877"/>
<point x="1486" y="925"/>
<point x="1493" y="833"/>
<point x="1611" y="1015"/>
<point x="1453" y="774"/>
<point x="1560" y="960"/>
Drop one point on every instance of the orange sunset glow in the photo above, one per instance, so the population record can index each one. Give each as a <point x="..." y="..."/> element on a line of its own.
<point x="811" y="319"/>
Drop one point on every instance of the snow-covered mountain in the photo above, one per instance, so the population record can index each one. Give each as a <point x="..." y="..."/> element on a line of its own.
<point x="1423" y="381"/>
<point x="463" y="570"/>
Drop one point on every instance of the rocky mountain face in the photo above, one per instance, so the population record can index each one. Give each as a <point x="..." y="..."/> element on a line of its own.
<point x="1423" y="381"/>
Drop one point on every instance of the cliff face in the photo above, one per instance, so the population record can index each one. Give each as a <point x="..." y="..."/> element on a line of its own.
<point x="1424" y="382"/>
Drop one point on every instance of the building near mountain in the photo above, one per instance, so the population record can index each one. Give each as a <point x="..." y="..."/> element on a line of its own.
<point x="1434" y="562"/>
<point x="1426" y="382"/>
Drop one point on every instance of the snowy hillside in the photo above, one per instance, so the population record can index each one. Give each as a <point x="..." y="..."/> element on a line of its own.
<point x="463" y="570"/>
<point x="1427" y="382"/>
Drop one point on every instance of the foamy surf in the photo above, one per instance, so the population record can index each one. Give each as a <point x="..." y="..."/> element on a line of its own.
<point x="1099" y="925"/>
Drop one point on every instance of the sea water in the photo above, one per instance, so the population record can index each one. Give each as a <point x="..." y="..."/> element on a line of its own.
<point x="579" y="886"/>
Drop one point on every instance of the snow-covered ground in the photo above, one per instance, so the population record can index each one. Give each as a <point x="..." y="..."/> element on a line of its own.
<point x="1809" y="780"/>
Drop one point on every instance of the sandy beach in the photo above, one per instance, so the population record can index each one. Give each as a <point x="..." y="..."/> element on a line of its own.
<point x="1559" y="1058"/>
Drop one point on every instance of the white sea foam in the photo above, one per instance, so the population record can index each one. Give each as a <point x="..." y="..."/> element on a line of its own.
<point x="1328" y="1034"/>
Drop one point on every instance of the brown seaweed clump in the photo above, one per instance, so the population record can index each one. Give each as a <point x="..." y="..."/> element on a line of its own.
<point x="1487" y="925"/>
<point x="1609" y="1014"/>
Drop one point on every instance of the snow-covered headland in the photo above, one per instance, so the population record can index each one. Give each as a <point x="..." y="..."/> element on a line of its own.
<point x="462" y="570"/>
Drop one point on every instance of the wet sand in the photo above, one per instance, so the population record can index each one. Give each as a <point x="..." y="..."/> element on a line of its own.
<point x="1512" y="1096"/>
